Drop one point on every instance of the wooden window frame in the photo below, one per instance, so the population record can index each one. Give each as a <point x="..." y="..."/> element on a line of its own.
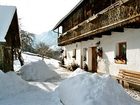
<point x="121" y="57"/>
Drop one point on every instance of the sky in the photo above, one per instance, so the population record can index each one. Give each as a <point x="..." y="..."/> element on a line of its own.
<point x="38" y="16"/>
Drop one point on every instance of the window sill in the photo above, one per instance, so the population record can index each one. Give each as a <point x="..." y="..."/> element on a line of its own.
<point x="120" y="61"/>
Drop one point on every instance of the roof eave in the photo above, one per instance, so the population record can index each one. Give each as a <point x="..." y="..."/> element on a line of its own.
<point x="59" y="23"/>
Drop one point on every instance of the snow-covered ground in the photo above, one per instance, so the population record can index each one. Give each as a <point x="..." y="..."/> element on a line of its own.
<point x="71" y="88"/>
<point x="15" y="91"/>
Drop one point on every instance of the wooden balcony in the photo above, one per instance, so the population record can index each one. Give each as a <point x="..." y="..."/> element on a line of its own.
<point x="120" y="14"/>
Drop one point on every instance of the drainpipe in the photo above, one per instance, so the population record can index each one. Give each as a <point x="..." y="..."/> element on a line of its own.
<point x="57" y="32"/>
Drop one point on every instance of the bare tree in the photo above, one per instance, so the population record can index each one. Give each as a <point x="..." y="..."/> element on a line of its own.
<point x="27" y="40"/>
<point x="43" y="50"/>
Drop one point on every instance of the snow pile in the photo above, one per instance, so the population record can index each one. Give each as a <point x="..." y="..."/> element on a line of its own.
<point x="52" y="63"/>
<point x="77" y="72"/>
<point x="15" y="91"/>
<point x="11" y="84"/>
<point x="28" y="58"/>
<point x="93" y="89"/>
<point x="37" y="71"/>
<point x="1" y="72"/>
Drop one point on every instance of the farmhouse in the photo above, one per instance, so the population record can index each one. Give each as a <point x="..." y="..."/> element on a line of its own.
<point x="9" y="36"/>
<point x="102" y="34"/>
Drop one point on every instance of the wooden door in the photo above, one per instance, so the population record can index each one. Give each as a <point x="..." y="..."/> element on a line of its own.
<point x="94" y="59"/>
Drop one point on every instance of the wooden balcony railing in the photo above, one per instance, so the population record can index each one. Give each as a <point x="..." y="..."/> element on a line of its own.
<point x="118" y="14"/>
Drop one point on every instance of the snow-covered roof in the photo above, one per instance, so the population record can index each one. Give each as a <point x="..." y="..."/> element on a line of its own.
<point x="6" y="16"/>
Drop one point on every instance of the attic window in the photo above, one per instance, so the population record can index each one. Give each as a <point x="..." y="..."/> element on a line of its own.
<point x="121" y="53"/>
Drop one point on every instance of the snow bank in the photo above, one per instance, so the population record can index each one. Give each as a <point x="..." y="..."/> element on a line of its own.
<point x="37" y="71"/>
<point x="77" y="72"/>
<point x="30" y="58"/>
<point x="11" y="84"/>
<point x="93" y="89"/>
<point x="15" y="91"/>
<point x="1" y="72"/>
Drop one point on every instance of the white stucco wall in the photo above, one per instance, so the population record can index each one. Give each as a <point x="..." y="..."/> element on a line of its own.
<point x="132" y="38"/>
<point x="78" y="56"/>
<point x="108" y="43"/>
<point x="69" y="49"/>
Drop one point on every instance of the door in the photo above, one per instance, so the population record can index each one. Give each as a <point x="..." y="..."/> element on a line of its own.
<point x="94" y="59"/>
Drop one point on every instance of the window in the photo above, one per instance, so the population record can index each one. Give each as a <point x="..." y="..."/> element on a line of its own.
<point x="84" y="54"/>
<point x="65" y="54"/>
<point x="121" y="53"/>
<point x="74" y="54"/>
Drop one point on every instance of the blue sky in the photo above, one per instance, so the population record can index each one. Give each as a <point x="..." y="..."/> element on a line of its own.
<point x="38" y="16"/>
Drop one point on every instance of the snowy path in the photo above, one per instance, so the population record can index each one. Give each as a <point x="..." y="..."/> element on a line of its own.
<point x="54" y="83"/>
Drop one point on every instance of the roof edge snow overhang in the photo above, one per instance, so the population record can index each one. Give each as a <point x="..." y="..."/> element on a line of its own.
<point x="6" y="19"/>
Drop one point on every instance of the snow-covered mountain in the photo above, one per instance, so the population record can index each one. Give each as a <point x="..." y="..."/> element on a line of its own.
<point x="49" y="38"/>
<point x="55" y="48"/>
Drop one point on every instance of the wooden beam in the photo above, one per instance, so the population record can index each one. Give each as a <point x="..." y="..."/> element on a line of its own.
<point x="118" y="29"/>
<point x="133" y="25"/>
<point x="106" y="33"/>
<point x="87" y="38"/>
<point x="99" y="36"/>
<point x="79" y="27"/>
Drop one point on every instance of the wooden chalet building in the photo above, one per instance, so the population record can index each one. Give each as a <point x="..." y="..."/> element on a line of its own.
<point x="103" y="34"/>
<point x="9" y="36"/>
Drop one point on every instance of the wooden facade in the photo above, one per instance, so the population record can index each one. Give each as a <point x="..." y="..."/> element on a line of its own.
<point x="2" y="44"/>
<point x="12" y="41"/>
<point x="13" y="37"/>
<point x="94" y="18"/>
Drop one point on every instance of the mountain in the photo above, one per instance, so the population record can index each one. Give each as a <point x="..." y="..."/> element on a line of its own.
<point x="49" y="38"/>
<point x="55" y="48"/>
